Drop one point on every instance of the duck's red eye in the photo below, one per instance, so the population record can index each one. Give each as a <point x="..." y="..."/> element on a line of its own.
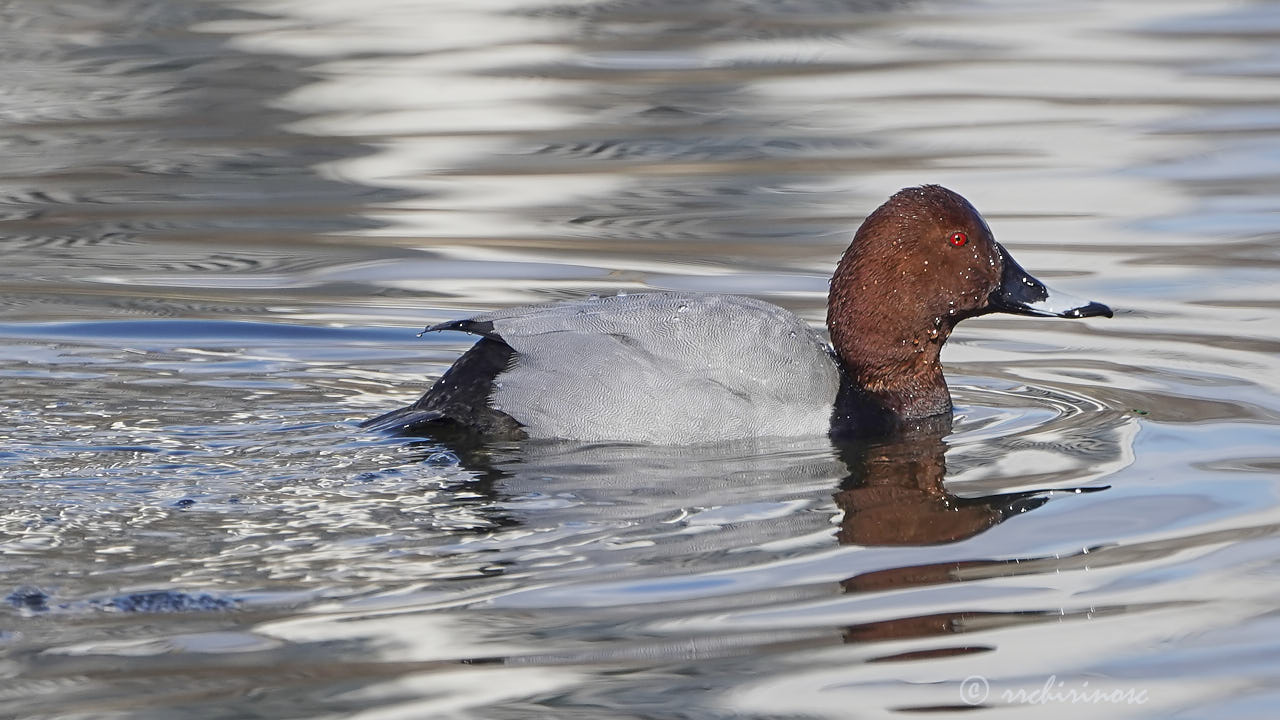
<point x="959" y="239"/>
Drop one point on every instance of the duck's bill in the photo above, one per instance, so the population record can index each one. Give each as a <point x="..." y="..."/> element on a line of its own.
<point x="1022" y="294"/>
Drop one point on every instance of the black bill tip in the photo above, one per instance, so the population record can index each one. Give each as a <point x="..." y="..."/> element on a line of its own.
<point x="1093" y="309"/>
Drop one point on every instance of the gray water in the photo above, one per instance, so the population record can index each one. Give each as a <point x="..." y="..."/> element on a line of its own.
<point x="223" y="222"/>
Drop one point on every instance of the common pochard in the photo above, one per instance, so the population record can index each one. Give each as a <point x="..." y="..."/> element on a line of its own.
<point x="681" y="367"/>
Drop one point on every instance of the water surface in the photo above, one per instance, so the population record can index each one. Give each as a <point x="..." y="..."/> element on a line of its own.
<point x="222" y="224"/>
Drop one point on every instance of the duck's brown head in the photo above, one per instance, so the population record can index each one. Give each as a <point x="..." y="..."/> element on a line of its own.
<point x="922" y="262"/>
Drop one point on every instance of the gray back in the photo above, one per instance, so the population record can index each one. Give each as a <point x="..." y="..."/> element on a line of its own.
<point x="669" y="368"/>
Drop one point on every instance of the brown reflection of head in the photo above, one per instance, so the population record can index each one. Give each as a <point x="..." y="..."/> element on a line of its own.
<point x="895" y="496"/>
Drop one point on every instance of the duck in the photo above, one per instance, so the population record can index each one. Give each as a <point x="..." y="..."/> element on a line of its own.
<point x="680" y="368"/>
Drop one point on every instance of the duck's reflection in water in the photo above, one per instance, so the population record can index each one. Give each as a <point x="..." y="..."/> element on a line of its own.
<point x="894" y="493"/>
<point x="585" y="517"/>
<point x="895" y="496"/>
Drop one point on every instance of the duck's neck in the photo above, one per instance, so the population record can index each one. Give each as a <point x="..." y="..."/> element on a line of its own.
<point x="905" y="390"/>
<point x="890" y="353"/>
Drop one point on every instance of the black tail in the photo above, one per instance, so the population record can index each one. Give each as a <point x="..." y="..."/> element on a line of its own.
<point x="459" y="400"/>
<point x="403" y="421"/>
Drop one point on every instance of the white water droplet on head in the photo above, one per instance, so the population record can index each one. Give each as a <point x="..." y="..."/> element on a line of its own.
<point x="792" y="333"/>
<point x="497" y="386"/>
<point x="683" y="307"/>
